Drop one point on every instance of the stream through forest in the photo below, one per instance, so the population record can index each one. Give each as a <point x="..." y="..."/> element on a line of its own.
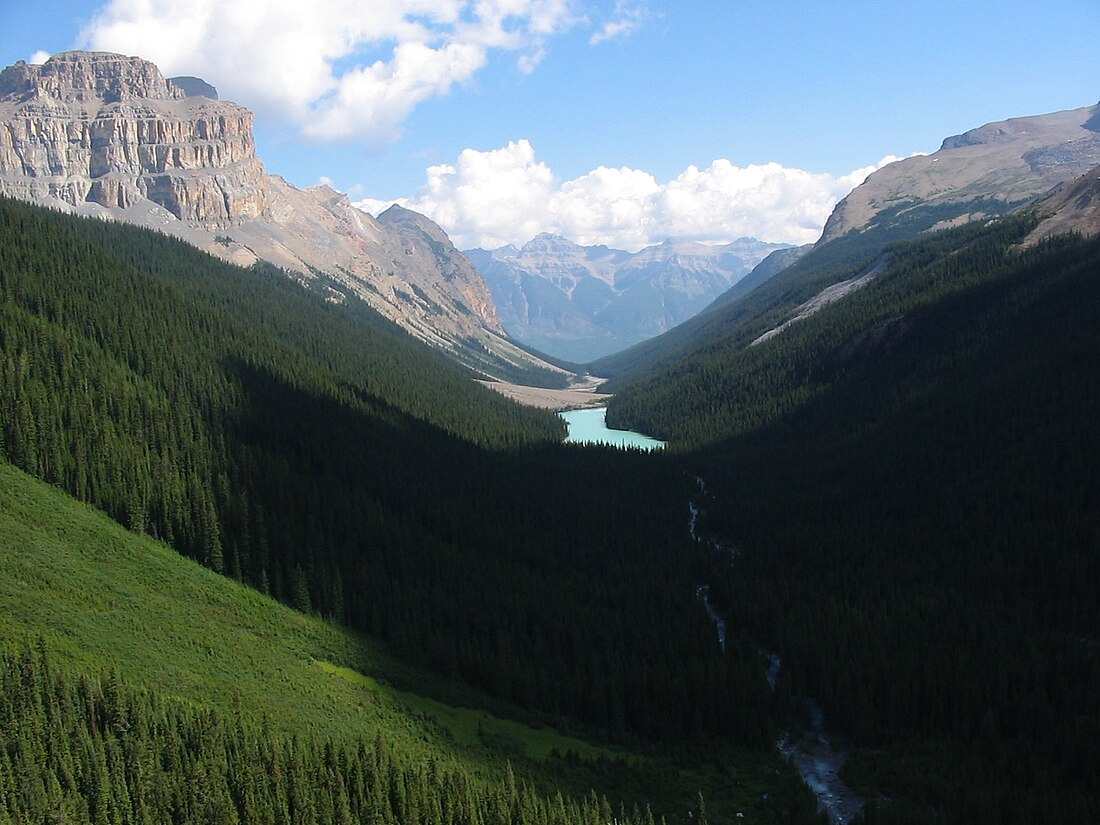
<point x="811" y="751"/>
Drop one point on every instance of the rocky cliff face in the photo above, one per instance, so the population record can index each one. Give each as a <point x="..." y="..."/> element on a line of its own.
<point x="984" y="171"/>
<point x="1070" y="207"/>
<point x="428" y="248"/>
<point x="107" y="135"/>
<point x="583" y="302"/>
<point x="110" y="130"/>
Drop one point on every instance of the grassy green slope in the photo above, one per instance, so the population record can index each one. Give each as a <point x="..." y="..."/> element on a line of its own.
<point x="103" y="598"/>
<point x="333" y="463"/>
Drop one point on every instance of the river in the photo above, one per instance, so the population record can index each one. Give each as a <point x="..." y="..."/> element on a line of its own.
<point x="589" y="426"/>
<point x="811" y="751"/>
<point x="819" y="764"/>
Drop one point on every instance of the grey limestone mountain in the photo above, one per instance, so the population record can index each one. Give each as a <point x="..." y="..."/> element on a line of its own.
<point x="194" y="86"/>
<point x="107" y="135"/>
<point x="979" y="173"/>
<point x="94" y="130"/>
<point x="583" y="302"/>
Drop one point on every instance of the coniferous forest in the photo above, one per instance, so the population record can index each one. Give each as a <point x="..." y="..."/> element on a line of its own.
<point x="316" y="453"/>
<point x="92" y="750"/>
<point x="275" y="439"/>
<point x="903" y="488"/>
<point x="907" y="482"/>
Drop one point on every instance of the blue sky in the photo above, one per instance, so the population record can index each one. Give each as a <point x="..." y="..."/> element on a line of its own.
<point x="614" y="121"/>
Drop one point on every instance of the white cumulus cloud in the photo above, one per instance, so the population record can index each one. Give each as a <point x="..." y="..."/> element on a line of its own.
<point x="487" y="198"/>
<point x="507" y="196"/>
<point x="339" y="69"/>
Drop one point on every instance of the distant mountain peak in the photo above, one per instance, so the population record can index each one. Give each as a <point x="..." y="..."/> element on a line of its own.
<point x="194" y="86"/>
<point x="400" y="216"/>
<point x="397" y="211"/>
<point x="548" y="240"/>
<point x="583" y="302"/>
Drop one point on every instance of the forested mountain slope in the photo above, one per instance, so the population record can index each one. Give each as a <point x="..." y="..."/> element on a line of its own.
<point x="774" y="297"/>
<point x="108" y="135"/>
<point x="313" y="451"/>
<point x="908" y="482"/>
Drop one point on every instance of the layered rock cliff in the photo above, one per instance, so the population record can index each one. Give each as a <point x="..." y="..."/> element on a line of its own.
<point x="111" y="130"/>
<point x="108" y="135"/>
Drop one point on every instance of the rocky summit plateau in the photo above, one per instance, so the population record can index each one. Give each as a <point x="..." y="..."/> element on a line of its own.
<point x="980" y="173"/>
<point x="99" y="130"/>
<point x="108" y="135"/>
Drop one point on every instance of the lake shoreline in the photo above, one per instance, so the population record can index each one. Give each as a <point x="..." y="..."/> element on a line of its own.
<point x="589" y="426"/>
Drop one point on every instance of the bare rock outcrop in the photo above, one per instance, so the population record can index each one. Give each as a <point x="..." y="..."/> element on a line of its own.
<point x="107" y="135"/>
<point x="1070" y="207"/>
<point x="1004" y="163"/>
<point x="111" y="130"/>
<point x="429" y="248"/>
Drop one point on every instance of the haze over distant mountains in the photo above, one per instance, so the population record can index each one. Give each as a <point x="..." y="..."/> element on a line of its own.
<point x="108" y="135"/>
<point x="584" y="302"/>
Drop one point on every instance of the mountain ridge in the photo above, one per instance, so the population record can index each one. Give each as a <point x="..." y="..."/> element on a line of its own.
<point x="894" y="204"/>
<point x="1070" y="207"/>
<point x="1001" y="164"/>
<point x="583" y="302"/>
<point x="102" y="134"/>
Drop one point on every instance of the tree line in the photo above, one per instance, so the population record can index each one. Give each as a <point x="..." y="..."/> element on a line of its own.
<point x="94" y="750"/>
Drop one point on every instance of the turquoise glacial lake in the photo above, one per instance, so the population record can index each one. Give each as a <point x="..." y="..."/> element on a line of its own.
<point x="590" y="427"/>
